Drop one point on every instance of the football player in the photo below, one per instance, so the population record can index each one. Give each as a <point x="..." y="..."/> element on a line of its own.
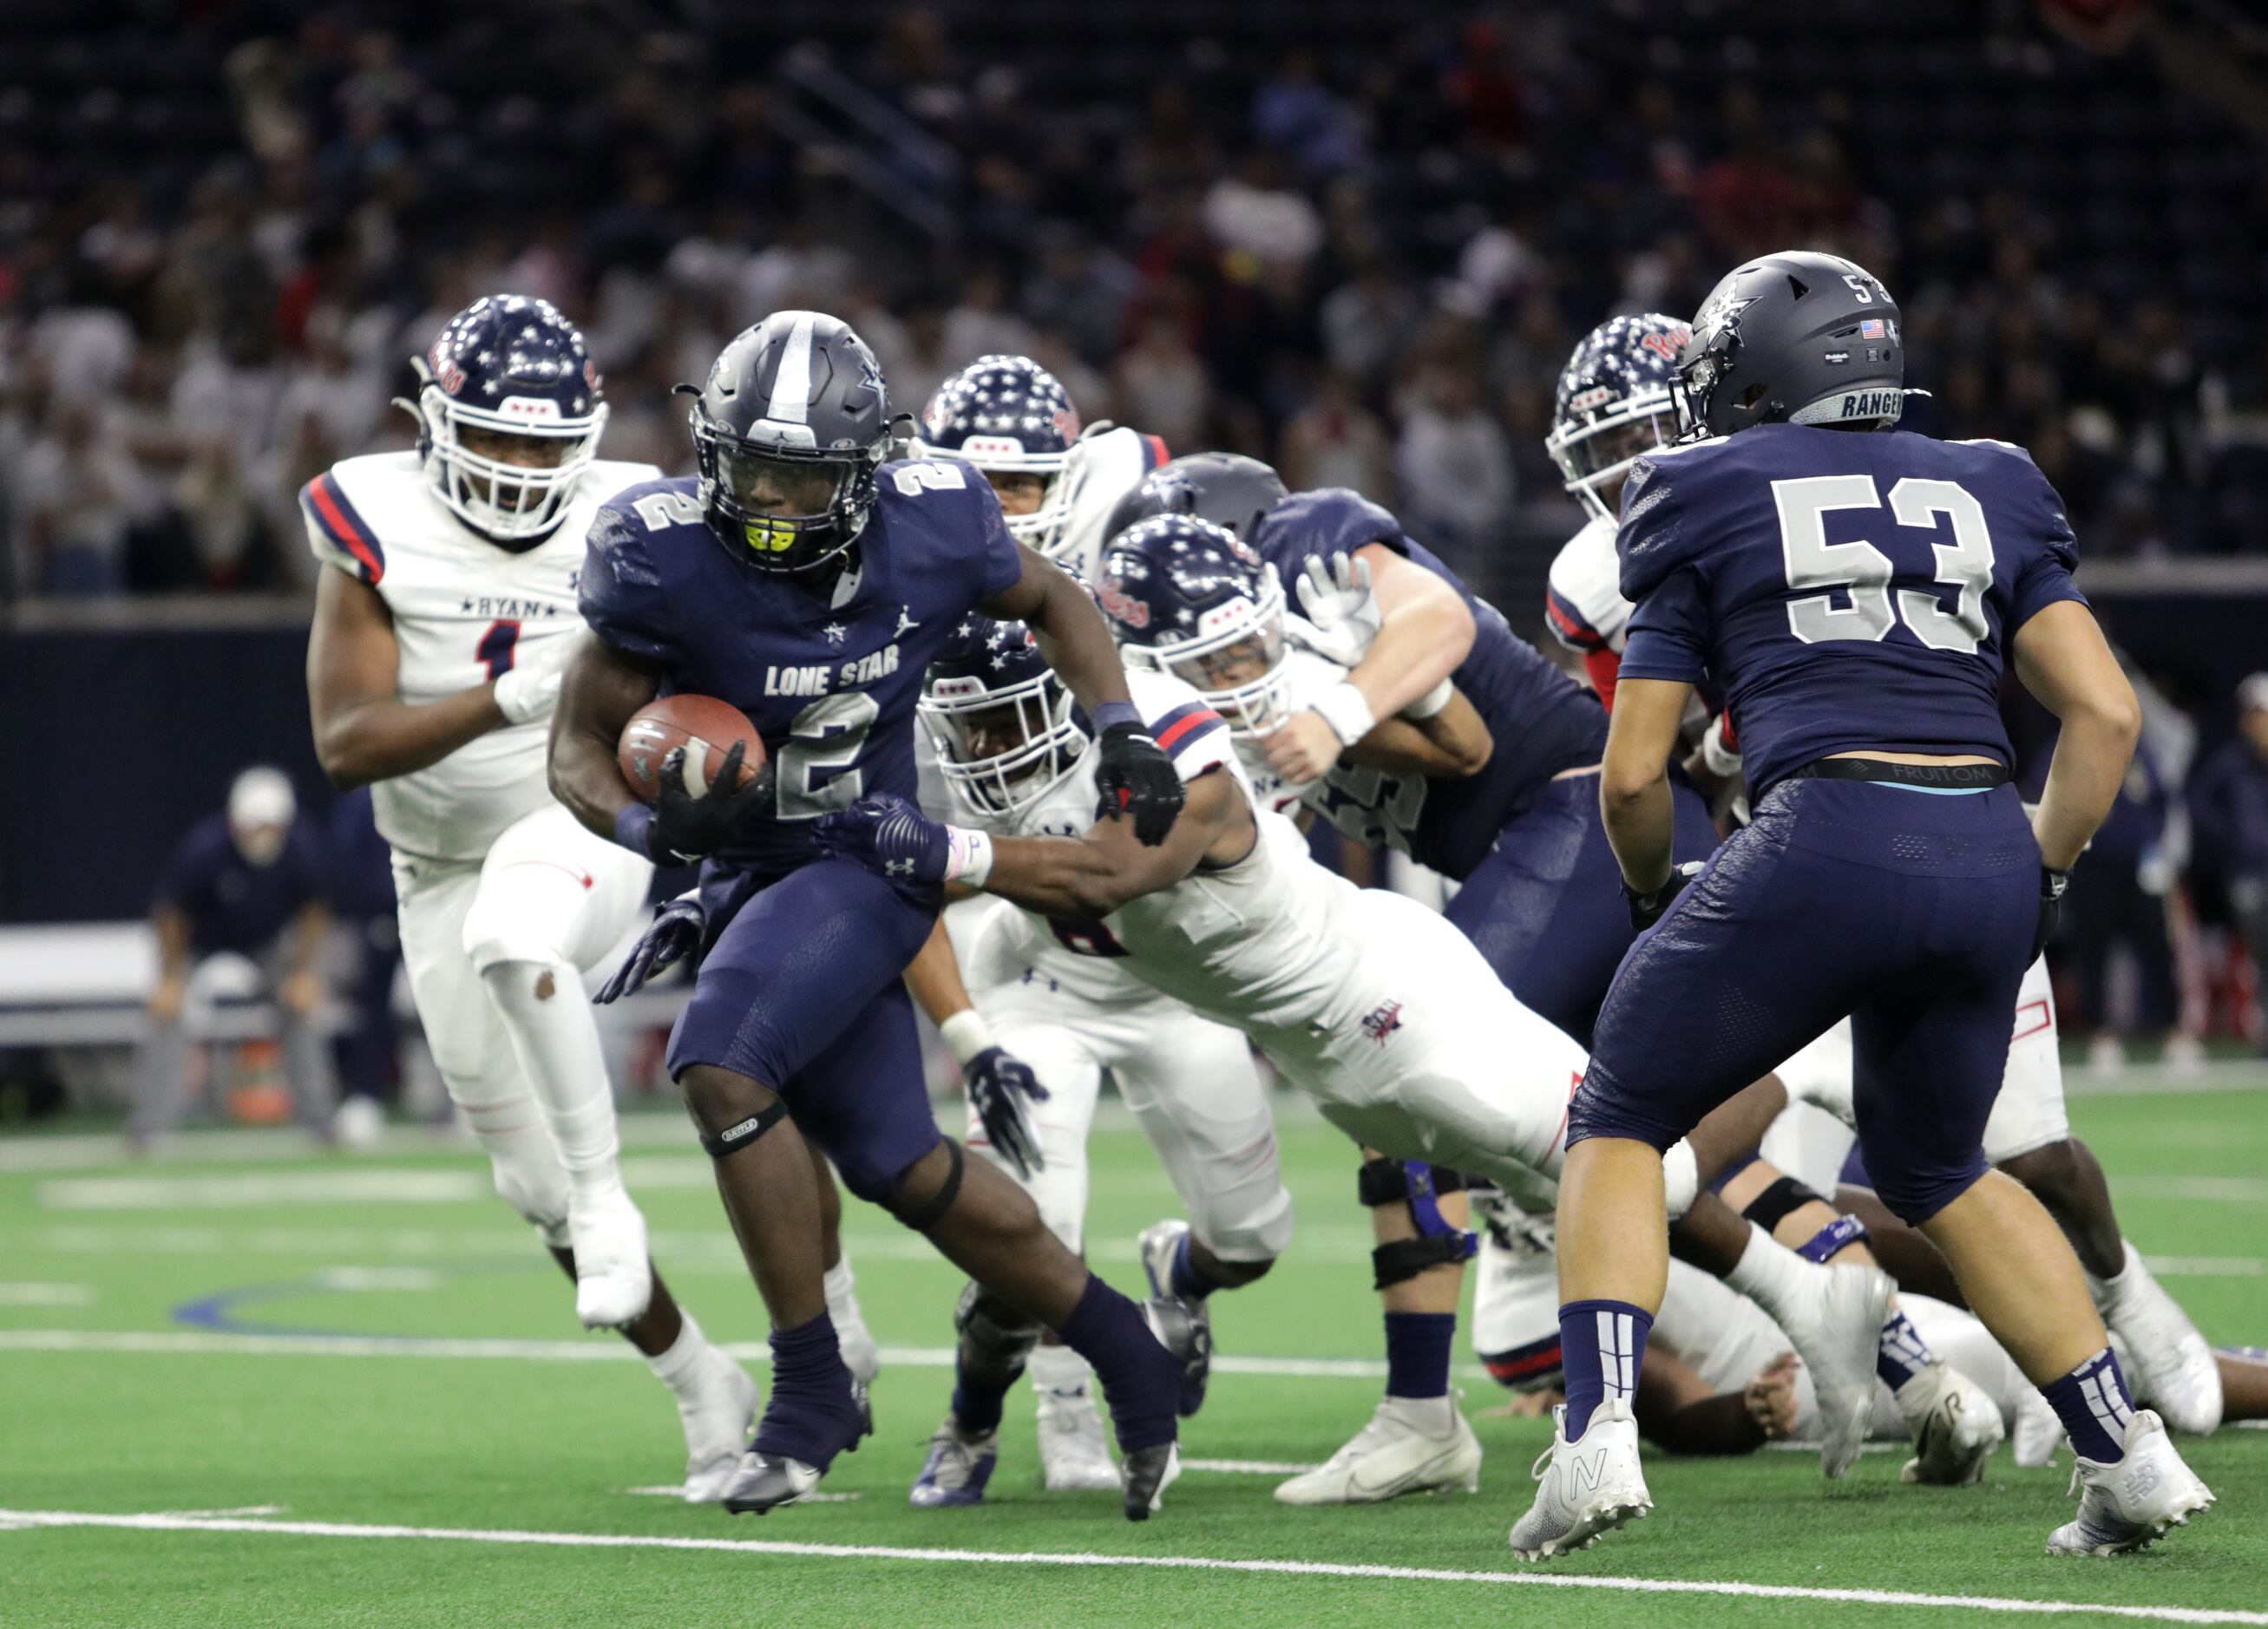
<point x="1854" y="597"/>
<point x="807" y="577"/>
<point x="441" y="627"/>
<point x="1614" y="405"/>
<point x="1059" y="480"/>
<point x="1364" y="999"/>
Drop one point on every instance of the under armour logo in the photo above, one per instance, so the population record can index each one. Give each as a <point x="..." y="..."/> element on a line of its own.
<point x="897" y="867"/>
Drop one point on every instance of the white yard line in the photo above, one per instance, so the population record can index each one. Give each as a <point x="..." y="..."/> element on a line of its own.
<point x="23" y="1519"/>
<point x="2209" y="1190"/>
<point x="591" y="1349"/>
<point x="1247" y="1467"/>
<point x="47" y="1295"/>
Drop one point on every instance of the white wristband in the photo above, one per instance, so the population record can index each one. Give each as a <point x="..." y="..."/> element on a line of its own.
<point x="967" y="856"/>
<point x="1431" y="703"/>
<point x="1720" y="759"/>
<point x="967" y="1033"/>
<point x="1346" y="711"/>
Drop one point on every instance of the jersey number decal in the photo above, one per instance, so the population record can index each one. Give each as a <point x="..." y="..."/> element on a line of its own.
<point x="496" y="646"/>
<point x="1087" y="938"/>
<point x="1376" y="809"/>
<point x="661" y="510"/>
<point x="824" y="741"/>
<point x="1862" y="572"/>
<point x="914" y="479"/>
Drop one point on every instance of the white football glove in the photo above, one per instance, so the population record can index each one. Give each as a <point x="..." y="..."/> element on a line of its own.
<point x="1342" y="614"/>
<point x="529" y="688"/>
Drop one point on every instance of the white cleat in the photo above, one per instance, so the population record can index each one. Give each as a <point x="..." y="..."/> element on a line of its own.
<point x="1955" y="1426"/>
<point x="613" y="1277"/>
<point x="1409" y="1446"/>
<point x="359" y="1125"/>
<point x="2039" y="1433"/>
<point x="1586" y="1488"/>
<point x="2127" y="1505"/>
<point x="2174" y="1369"/>
<point x="716" y="1410"/>
<point x="1074" y="1453"/>
<point x="1836" y="1328"/>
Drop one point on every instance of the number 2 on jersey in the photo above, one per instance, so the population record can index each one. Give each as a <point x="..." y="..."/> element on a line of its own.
<point x="825" y="739"/>
<point x="1863" y="572"/>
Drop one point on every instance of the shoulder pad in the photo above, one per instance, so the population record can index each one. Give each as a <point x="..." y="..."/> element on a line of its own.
<point x="1329" y="520"/>
<point x="1585" y="604"/>
<point x="1653" y="539"/>
<point x="339" y="507"/>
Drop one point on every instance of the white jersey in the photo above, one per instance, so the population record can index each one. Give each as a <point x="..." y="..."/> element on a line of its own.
<point x="1586" y="605"/>
<point x="463" y="609"/>
<point x="1307" y="675"/>
<point x="1102" y="466"/>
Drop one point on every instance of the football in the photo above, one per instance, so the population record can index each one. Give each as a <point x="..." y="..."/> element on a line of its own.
<point x="705" y="727"/>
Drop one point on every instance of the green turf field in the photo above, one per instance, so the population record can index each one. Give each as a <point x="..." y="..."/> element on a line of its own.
<point x="208" y="1342"/>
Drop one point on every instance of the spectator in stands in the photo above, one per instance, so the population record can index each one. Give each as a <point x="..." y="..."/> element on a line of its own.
<point x="2228" y="807"/>
<point x="246" y="882"/>
<point x="361" y="871"/>
<point x="2118" y="900"/>
<point x="1454" y="466"/>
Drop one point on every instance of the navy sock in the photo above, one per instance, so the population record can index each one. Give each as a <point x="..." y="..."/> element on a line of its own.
<point x="1187" y="1280"/>
<point x="1418" y="1346"/>
<point x="978" y="1399"/>
<point x="1140" y="1379"/>
<point x="1902" y="1353"/>
<point x="811" y="1414"/>
<point x="2094" y="1406"/>
<point x="1602" y="1343"/>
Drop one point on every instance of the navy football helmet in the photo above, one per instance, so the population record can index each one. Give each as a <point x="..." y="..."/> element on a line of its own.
<point x="1186" y="597"/>
<point x="1226" y="489"/>
<point x="1613" y="403"/>
<point x="508" y="413"/>
<point x="1002" y="722"/>
<point x="1797" y="338"/>
<point x="789" y="428"/>
<point x="1009" y="416"/>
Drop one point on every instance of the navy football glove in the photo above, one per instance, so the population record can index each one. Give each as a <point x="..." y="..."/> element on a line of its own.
<point x="2052" y="883"/>
<point x="1136" y="778"/>
<point x="998" y="1085"/>
<point x="686" y="827"/>
<point x="887" y="835"/>
<point x="1645" y="909"/>
<point x="676" y="932"/>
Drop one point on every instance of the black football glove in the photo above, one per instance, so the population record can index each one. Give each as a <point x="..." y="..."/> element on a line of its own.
<point x="998" y="1084"/>
<point x="1136" y="778"/>
<point x="678" y="925"/>
<point x="1645" y="909"/>
<point x="2052" y="882"/>
<point x="687" y="828"/>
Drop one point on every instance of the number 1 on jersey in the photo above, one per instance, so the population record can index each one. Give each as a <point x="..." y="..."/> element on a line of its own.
<point x="496" y="646"/>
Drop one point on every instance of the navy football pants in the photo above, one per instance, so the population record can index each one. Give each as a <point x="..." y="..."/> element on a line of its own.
<point x="1545" y="908"/>
<point x="800" y="991"/>
<point x="1912" y="912"/>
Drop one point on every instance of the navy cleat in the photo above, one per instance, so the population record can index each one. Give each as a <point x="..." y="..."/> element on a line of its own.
<point x="959" y="1465"/>
<point x="1160" y="1243"/>
<point x="1149" y="1471"/>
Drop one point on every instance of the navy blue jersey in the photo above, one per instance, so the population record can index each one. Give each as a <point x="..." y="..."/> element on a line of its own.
<point x="1543" y="722"/>
<point x="1846" y="591"/>
<point x="828" y="679"/>
<point x="232" y="904"/>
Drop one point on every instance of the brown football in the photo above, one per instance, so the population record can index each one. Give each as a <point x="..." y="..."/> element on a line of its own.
<point x="705" y="727"/>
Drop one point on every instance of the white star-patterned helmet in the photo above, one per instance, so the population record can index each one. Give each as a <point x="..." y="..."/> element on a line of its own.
<point x="1008" y="415"/>
<point x="1004" y="725"/>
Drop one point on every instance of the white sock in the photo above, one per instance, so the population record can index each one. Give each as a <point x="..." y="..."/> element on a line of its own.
<point x="1769" y="1273"/>
<point x="1058" y="1371"/>
<point x="1435" y="1416"/>
<point x="838" y="1286"/>
<point x="681" y="1365"/>
<point x="2108" y="1292"/>
<point x="556" y="1041"/>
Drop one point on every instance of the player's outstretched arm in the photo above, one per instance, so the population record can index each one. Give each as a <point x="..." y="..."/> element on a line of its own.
<point x="364" y="731"/>
<point x="1134" y="778"/>
<point x="1634" y="799"/>
<point x="1086" y="878"/>
<point x="2064" y="661"/>
<point x="1449" y="745"/>
<point x="602" y="688"/>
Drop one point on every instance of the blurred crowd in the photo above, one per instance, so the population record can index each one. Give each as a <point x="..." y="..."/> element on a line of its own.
<point x="1356" y="242"/>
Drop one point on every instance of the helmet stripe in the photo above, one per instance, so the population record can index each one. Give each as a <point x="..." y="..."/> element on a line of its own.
<point x="790" y="402"/>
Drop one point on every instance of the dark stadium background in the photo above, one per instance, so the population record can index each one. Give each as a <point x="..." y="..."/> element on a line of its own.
<point x="1357" y="239"/>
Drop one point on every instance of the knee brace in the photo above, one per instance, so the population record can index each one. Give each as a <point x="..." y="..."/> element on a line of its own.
<point x="1769" y="1208"/>
<point x="994" y="1350"/>
<point x="735" y="1137"/>
<point x="922" y="1215"/>
<point x="1387" y="1182"/>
